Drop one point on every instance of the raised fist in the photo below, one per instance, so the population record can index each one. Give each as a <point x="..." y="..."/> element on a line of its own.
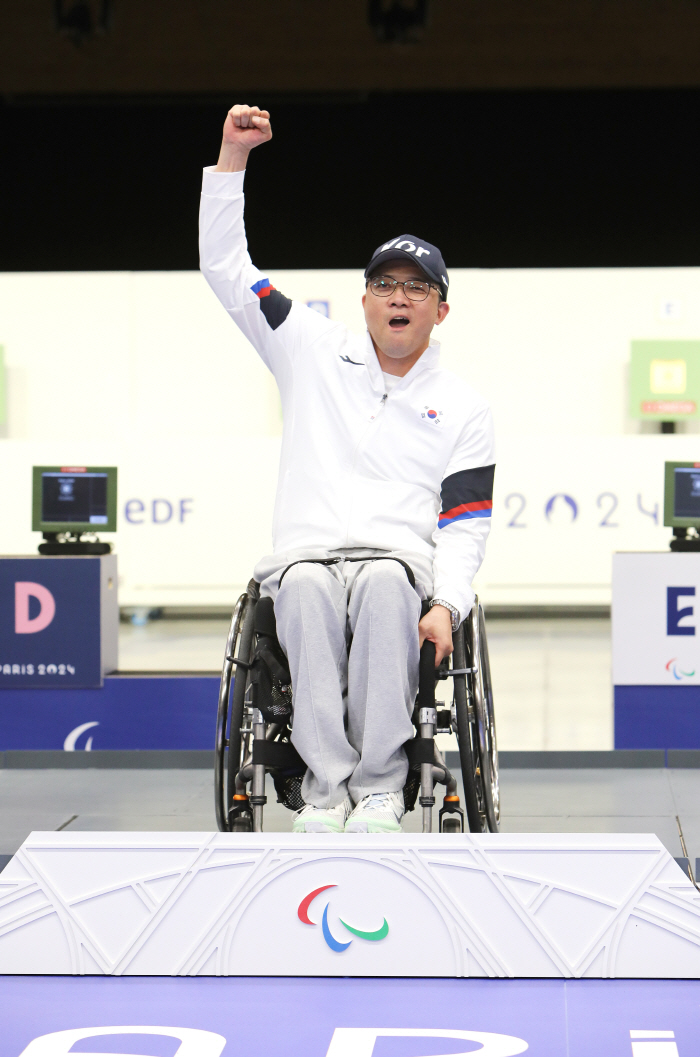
<point x="247" y="126"/>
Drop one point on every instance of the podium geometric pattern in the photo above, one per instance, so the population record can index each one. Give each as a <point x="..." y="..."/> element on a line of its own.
<point x="490" y="905"/>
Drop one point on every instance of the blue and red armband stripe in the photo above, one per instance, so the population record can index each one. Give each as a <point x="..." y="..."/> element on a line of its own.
<point x="263" y="288"/>
<point x="465" y="511"/>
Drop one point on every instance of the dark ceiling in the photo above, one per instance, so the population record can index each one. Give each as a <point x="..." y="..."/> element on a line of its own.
<point x="512" y="133"/>
<point x="195" y="46"/>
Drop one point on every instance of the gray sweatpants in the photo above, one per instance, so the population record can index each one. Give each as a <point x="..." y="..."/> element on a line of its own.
<point x="350" y="632"/>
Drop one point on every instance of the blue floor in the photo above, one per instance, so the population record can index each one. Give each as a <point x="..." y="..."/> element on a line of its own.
<point x="275" y="1017"/>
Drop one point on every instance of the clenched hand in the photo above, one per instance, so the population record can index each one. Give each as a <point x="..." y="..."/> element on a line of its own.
<point x="245" y="127"/>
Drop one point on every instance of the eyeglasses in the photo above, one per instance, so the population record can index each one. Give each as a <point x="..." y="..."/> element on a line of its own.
<point x="385" y="286"/>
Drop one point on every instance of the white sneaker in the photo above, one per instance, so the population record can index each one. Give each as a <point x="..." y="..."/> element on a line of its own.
<point x="377" y="813"/>
<point x="322" y="820"/>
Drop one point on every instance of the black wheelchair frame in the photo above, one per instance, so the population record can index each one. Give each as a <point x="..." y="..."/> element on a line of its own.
<point x="254" y="723"/>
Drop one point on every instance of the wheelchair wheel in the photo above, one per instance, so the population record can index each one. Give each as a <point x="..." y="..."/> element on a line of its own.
<point x="467" y="737"/>
<point x="488" y="747"/>
<point x="230" y="743"/>
<point x="222" y="716"/>
<point x="476" y="728"/>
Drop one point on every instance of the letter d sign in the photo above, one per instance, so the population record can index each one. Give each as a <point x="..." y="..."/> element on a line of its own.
<point x="24" y="624"/>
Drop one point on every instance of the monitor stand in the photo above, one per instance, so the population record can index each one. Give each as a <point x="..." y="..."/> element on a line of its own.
<point x="71" y="543"/>
<point x="683" y="542"/>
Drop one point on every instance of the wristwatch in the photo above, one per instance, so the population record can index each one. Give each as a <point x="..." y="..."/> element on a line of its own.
<point x="453" y="611"/>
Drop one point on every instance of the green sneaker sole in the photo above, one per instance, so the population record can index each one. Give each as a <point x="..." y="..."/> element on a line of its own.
<point x="375" y="827"/>
<point x="318" y="826"/>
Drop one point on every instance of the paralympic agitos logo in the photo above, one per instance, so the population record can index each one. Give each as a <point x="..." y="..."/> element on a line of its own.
<point x="333" y="943"/>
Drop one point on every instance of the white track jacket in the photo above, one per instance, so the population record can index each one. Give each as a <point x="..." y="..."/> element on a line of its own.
<point x="411" y="471"/>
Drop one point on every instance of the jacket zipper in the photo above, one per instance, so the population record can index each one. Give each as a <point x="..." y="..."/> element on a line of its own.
<point x="373" y="419"/>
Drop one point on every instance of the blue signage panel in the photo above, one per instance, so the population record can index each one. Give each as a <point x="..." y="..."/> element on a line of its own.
<point x="149" y="712"/>
<point x="50" y="622"/>
<point x="657" y="717"/>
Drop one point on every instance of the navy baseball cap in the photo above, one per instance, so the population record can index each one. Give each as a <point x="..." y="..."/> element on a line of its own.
<point x="427" y="257"/>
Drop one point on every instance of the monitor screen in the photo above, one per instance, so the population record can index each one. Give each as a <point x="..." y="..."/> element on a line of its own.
<point x="74" y="498"/>
<point x="686" y="492"/>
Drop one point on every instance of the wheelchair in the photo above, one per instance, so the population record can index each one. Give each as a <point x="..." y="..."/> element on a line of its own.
<point x="255" y="717"/>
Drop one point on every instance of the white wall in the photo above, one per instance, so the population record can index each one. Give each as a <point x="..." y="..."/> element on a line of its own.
<point x="146" y="371"/>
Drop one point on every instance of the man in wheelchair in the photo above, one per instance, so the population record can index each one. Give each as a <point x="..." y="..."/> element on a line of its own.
<point x="383" y="504"/>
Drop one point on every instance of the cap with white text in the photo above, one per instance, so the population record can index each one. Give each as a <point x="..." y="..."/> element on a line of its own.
<point x="426" y="256"/>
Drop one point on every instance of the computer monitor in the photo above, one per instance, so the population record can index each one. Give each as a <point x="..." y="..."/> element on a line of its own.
<point x="682" y="494"/>
<point x="74" y="499"/>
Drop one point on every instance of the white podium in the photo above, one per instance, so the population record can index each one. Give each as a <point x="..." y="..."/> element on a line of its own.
<point x="204" y="904"/>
